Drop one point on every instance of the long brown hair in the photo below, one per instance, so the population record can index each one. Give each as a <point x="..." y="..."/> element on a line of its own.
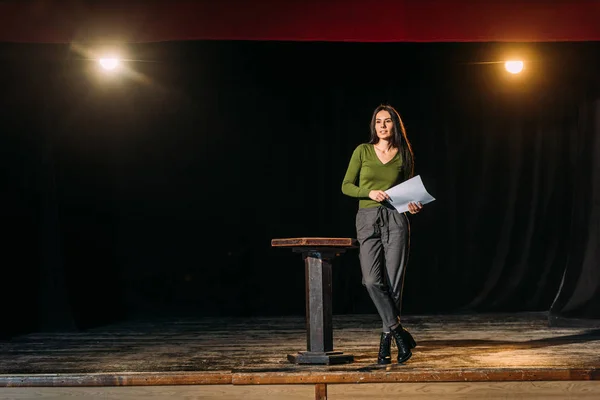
<point x="398" y="139"/>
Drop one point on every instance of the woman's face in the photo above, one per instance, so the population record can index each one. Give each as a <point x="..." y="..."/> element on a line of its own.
<point x="383" y="125"/>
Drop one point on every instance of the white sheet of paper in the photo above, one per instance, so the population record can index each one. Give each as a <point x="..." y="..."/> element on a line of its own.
<point x="411" y="190"/>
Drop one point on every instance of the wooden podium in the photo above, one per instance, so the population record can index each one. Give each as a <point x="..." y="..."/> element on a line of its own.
<point x="318" y="254"/>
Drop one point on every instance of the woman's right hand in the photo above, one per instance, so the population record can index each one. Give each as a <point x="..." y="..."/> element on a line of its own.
<point x="378" y="195"/>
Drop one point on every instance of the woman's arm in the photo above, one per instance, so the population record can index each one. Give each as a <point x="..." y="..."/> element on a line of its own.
<point x="349" y="187"/>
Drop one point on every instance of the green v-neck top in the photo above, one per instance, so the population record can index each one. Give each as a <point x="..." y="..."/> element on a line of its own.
<point x="366" y="169"/>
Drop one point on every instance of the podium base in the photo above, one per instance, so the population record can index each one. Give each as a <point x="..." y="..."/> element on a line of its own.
<point x="326" y="358"/>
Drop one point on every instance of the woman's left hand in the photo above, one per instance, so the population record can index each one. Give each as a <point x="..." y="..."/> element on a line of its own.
<point x="414" y="208"/>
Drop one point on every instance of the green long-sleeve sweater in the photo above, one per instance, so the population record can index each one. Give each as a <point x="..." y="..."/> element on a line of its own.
<point x="371" y="174"/>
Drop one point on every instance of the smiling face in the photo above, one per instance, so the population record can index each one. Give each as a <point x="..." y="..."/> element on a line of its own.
<point x="384" y="126"/>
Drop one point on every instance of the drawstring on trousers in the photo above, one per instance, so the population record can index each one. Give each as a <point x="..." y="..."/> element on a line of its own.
<point x="382" y="219"/>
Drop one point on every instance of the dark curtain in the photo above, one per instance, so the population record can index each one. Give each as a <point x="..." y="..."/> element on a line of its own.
<point x="157" y="192"/>
<point x="578" y="299"/>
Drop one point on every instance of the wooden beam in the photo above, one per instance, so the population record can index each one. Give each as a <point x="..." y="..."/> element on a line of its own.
<point x="320" y="391"/>
<point x="403" y="374"/>
<point x="117" y="379"/>
<point x="314" y="242"/>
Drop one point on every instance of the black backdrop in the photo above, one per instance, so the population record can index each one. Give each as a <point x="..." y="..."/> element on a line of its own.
<point x="157" y="192"/>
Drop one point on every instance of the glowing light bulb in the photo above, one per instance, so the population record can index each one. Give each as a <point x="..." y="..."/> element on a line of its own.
<point x="514" y="67"/>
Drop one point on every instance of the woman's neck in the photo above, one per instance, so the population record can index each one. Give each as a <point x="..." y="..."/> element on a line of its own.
<point x="383" y="145"/>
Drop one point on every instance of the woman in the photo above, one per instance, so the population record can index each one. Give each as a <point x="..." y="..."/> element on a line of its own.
<point x="383" y="232"/>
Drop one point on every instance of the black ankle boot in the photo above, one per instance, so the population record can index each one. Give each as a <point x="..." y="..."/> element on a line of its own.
<point x="385" y="352"/>
<point x="404" y="352"/>
<point x="408" y="338"/>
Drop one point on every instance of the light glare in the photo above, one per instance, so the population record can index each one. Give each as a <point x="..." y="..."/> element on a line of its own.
<point x="514" y="67"/>
<point x="109" y="63"/>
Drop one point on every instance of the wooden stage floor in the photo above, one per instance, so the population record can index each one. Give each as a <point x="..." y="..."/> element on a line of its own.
<point x="235" y="351"/>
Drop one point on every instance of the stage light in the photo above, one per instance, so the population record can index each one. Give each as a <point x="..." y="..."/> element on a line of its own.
<point x="109" y="64"/>
<point x="514" y="67"/>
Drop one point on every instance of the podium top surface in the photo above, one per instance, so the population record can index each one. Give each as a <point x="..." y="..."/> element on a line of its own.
<point x="314" y="242"/>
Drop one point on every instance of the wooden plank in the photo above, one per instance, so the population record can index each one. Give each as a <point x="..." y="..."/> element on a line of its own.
<point x="467" y="390"/>
<point x="123" y="379"/>
<point x="382" y="391"/>
<point x="555" y="321"/>
<point x="314" y="242"/>
<point x="387" y="375"/>
<point x="188" y="392"/>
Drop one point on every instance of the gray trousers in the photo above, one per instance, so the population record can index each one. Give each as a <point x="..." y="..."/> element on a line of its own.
<point x="384" y="236"/>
